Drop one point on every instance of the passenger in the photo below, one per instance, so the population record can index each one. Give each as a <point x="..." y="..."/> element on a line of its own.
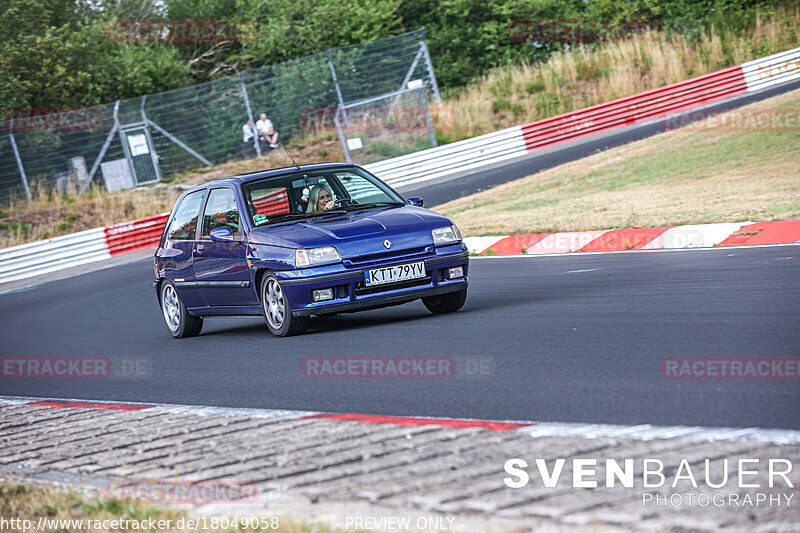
<point x="320" y="199"/>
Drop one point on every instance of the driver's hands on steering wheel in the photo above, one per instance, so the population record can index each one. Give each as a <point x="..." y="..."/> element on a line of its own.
<point x="338" y="203"/>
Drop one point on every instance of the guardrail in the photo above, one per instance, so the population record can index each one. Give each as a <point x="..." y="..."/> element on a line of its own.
<point x="451" y="158"/>
<point x="96" y="244"/>
<point x="41" y="257"/>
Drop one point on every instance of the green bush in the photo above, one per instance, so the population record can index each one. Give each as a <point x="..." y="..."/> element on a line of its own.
<point x="549" y="104"/>
<point x="500" y="105"/>
<point x="534" y="87"/>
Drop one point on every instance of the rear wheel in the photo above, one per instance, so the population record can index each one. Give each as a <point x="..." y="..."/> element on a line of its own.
<point x="446" y="303"/>
<point x="278" y="312"/>
<point x="179" y="322"/>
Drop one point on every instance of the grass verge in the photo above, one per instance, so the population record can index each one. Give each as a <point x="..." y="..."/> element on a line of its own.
<point x="60" y="506"/>
<point x="726" y="168"/>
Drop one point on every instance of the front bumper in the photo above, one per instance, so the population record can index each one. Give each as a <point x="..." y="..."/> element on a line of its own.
<point x="350" y="293"/>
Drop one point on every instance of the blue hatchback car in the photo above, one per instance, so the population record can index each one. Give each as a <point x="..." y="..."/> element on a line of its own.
<point x="295" y="242"/>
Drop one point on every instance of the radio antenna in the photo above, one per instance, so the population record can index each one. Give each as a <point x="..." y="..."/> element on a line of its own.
<point x="290" y="157"/>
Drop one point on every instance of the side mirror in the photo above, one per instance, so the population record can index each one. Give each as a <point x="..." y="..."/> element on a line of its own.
<point x="416" y="201"/>
<point x="222" y="234"/>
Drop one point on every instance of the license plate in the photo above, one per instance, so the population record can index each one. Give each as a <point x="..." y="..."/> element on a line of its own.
<point x="379" y="276"/>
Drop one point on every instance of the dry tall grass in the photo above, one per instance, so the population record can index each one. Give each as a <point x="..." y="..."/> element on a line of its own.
<point x="53" y="214"/>
<point x="590" y="75"/>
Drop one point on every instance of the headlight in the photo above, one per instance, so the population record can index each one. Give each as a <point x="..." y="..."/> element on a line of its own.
<point x="446" y="235"/>
<point x="316" y="256"/>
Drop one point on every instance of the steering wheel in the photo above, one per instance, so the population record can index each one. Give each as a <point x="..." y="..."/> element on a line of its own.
<point x="343" y="202"/>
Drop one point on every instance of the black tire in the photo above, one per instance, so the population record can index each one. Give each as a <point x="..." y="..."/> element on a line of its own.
<point x="277" y="311"/>
<point x="446" y="303"/>
<point x="179" y="322"/>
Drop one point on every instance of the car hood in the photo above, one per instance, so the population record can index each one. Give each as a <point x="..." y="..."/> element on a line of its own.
<point x="357" y="233"/>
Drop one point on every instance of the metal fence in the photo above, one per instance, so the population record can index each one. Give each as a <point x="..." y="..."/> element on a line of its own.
<point x="132" y="142"/>
<point x="382" y="127"/>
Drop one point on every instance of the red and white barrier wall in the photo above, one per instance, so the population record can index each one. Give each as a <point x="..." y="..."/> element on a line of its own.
<point x="663" y="238"/>
<point x="41" y="257"/>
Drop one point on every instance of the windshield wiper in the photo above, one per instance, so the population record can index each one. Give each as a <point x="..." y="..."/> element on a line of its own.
<point x="373" y="204"/>
<point x="292" y="216"/>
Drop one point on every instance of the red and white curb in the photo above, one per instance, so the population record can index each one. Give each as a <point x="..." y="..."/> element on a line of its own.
<point x="534" y="429"/>
<point x="661" y="238"/>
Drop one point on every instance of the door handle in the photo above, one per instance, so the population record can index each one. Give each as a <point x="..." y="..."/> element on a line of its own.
<point x="199" y="247"/>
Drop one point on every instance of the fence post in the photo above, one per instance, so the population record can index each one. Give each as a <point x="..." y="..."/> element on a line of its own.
<point x="342" y="138"/>
<point x="335" y="79"/>
<point x="19" y="162"/>
<point x="434" y="85"/>
<point x="411" y="69"/>
<point x="104" y="149"/>
<point x="153" y="155"/>
<point x="340" y="108"/>
<point x="250" y="114"/>
<point x="336" y="84"/>
<point x="424" y="103"/>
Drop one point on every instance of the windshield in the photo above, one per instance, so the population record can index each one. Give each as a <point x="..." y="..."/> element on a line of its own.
<point x="309" y="194"/>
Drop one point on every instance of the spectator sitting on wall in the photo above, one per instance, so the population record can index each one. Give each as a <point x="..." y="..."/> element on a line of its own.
<point x="266" y="131"/>
<point x="247" y="148"/>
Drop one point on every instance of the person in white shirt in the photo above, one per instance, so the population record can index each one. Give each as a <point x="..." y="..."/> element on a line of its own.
<point x="247" y="132"/>
<point x="266" y="131"/>
<point x="247" y="148"/>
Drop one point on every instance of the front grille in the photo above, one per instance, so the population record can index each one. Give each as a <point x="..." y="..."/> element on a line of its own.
<point x="362" y="290"/>
<point x="372" y="258"/>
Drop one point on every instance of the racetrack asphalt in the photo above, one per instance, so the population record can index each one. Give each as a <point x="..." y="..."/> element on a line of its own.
<point x="572" y="338"/>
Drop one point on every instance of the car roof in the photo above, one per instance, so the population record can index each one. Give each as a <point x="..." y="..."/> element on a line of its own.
<point x="242" y="178"/>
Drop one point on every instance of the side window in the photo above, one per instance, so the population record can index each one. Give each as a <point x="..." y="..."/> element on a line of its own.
<point x="221" y="211"/>
<point x="184" y="224"/>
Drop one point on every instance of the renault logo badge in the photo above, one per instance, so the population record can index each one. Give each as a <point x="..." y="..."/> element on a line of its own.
<point x="387" y="244"/>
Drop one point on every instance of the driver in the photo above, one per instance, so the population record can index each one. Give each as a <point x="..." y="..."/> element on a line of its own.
<point x="320" y="199"/>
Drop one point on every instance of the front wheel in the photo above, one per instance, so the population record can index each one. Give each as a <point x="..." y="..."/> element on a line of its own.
<point x="278" y="312"/>
<point x="179" y="322"/>
<point x="446" y="303"/>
